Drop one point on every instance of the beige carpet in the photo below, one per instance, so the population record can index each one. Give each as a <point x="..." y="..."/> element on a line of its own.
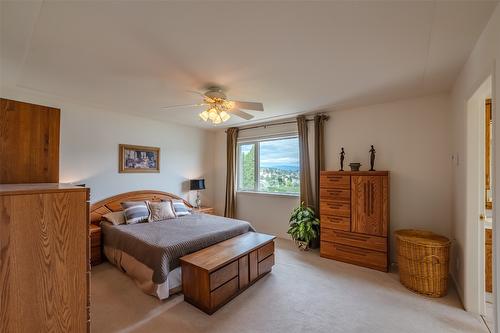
<point x="304" y="293"/>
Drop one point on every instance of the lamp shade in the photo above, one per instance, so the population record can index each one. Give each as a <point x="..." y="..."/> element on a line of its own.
<point x="197" y="184"/>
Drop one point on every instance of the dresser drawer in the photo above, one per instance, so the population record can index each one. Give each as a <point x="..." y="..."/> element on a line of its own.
<point x="354" y="239"/>
<point x="220" y="295"/>
<point x="224" y="274"/>
<point x="354" y="255"/>
<point x="335" y="222"/>
<point x="95" y="255"/>
<point x="266" y="265"/>
<point x="331" y="207"/>
<point x="337" y="194"/>
<point x="265" y="251"/>
<point x="334" y="180"/>
<point x="95" y="239"/>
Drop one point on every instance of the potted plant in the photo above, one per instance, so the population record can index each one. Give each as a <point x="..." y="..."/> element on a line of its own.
<point x="303" y="226"/>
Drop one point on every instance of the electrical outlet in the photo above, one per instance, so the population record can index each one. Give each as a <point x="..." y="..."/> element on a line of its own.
<point x="456" y="157"/>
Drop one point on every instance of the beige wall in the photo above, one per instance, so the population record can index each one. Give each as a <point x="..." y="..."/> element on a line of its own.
<point x="89" y="149"/>
<point x="483" y="61"/>
<point x="412" y="142"/>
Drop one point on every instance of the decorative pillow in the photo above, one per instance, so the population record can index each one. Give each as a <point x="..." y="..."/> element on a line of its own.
<point x="135" y="211"/>
<point x="115" y="218"/>
<point x="180" y="207"/>
<point x="160" y="211"/>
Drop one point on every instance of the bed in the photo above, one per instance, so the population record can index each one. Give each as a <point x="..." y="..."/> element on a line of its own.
<point x="149" y="252"/>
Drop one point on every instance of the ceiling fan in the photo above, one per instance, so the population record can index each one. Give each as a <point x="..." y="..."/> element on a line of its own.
<point x="218" y="108"/>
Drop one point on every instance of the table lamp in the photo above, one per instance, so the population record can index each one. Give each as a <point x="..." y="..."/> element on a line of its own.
<point x="197" y="185"/>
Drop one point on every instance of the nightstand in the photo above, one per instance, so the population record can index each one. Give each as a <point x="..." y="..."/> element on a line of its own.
<point x="205" y="210"/>
<point x="95" y="244"/>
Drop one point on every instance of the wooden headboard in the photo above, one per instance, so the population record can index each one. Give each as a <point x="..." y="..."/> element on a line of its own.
<point x="113" y="204"/>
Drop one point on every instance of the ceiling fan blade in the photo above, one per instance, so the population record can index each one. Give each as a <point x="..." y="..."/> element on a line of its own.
<point x="183" y="106"/>
<point x="241" y="114"/>
<point x="249" y="105"/>
<point x="205" y="97"/>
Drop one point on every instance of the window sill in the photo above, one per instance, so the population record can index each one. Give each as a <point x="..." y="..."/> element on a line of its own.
<point x="269" y="194"/>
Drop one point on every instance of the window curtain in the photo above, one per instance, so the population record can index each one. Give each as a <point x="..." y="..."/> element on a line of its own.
<point x="319" y="153"/>
<point x="305" y="170"/>
<point x="230" y="205"/>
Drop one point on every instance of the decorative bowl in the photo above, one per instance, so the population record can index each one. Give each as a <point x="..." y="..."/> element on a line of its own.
<point x="354" y="166"/>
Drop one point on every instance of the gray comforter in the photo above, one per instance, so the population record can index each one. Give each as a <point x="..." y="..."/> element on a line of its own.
<point x="159" y="245"/>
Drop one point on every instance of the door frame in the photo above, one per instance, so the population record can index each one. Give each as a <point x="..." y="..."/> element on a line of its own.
<point x="474" y="257"/>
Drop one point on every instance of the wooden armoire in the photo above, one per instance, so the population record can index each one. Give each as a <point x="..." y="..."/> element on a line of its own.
<point x="354" y="217"/>
<point x="44" y="228"/>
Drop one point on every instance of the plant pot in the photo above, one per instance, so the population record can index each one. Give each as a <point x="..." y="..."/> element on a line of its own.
<point x="314" y="244"/>
<point x="303" y="246"/>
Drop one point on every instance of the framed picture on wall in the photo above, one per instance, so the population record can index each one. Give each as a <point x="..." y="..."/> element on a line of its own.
<point x="138" y="159"/>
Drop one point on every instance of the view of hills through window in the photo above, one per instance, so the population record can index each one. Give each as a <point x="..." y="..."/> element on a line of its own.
<point x="277" y="165"/>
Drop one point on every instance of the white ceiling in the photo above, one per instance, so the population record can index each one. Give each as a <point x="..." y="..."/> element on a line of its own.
<point x="295" y="57"/>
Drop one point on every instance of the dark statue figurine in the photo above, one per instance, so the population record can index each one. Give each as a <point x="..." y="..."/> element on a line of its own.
<point x="372" y="158"/>
<point x="342" y="155"/>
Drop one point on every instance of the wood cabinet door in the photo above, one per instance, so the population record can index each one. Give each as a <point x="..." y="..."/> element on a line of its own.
<point x="29" y="143"/>
<point x="368" y="199"/>
<point x="488" y="261"/>
<point x="44" y="263"/>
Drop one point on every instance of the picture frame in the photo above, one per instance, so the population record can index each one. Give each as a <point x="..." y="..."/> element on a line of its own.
<point x="138" y="159"/>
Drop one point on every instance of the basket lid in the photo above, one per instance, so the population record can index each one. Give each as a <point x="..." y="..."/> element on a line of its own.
<point x="422" y="237"/>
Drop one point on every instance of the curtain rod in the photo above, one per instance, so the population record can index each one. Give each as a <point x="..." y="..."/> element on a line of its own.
<point x="276" y="124"/>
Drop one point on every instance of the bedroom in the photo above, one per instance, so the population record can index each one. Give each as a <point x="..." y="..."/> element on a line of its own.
<point x="395" y="75"/>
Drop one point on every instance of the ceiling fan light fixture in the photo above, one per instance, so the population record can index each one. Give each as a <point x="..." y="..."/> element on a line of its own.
<point x="212" y="114"/>
<point x="228" y="105"/>
<point x="217" y="120"/>
<point x="204" y="115"/>
<point x="224" y="116"/>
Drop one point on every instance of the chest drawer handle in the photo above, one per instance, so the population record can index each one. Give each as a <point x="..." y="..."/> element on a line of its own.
<point x="337" y="206"/>
<point x="358" y="252"/>
<point x="353" y="236"/>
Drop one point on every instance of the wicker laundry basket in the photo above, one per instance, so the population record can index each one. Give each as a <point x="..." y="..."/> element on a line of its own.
<point x="423" y="260"/>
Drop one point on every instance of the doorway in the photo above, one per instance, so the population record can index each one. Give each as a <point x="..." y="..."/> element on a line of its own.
<point x="480" y="202"/>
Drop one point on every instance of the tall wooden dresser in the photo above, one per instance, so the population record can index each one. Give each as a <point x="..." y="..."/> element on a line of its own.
<point x="44" y="258"/>
<point x="354" y="217"/>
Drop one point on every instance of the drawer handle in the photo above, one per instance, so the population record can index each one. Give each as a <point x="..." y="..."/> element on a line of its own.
<point x="337" y="206"/>
<point x="365" y="201"/>
<point x="346" y="250"/>
<point x="372" y="197"/>
<point x="352" y="236"/>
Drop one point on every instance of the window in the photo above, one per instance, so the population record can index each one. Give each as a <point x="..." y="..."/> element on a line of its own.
<point x="269" y="166"/>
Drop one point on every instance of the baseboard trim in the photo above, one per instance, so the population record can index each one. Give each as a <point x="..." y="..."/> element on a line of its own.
<point x="458" y="290"/>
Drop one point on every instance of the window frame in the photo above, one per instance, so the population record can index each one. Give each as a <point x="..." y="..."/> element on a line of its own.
<point x="256" y="142"/>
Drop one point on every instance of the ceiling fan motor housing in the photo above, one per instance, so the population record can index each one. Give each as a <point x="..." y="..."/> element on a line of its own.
<point x="215" y="92"/>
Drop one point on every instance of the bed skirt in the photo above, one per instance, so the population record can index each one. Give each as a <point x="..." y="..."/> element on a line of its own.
<point x="142" y="274"/>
